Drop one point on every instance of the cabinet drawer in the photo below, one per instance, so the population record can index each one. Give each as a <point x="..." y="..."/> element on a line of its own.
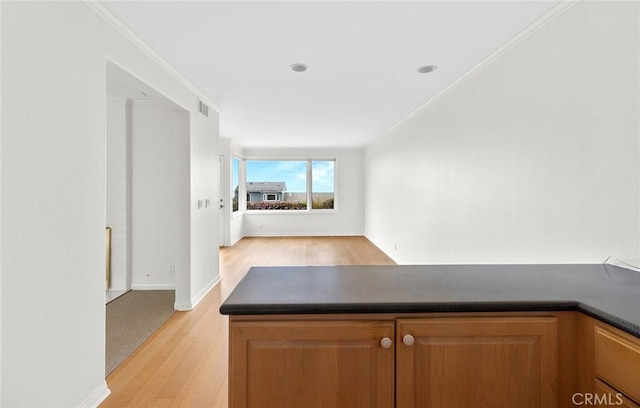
<point x="618" y="361"/>
<point x="607" y="396"/>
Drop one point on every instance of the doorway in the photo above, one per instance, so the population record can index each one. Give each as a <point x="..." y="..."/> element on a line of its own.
<point x="147" y="135"/>
<point x="147" y="150"/>
<point x="223" y="210"/>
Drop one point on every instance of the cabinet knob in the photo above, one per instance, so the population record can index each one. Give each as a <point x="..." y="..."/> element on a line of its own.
<point x="386" y="343"/>
<point x="408" y="340"/>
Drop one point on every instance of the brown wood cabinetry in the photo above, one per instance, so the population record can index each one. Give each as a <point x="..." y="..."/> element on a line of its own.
<point x="443" y="361"/>
<point x="609" y="367"/>
<point x="564" y="359"/>
<point x="605" y="396"/>
<point x="308" y="364"/>
<point x="477" y="361"/>
<point x="617" y="359"/>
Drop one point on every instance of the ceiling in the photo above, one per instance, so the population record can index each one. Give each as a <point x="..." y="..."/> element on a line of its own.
<point x="362" y="59"/>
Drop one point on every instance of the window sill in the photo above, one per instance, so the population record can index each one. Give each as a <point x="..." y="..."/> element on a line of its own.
<point x="282" y="212"/>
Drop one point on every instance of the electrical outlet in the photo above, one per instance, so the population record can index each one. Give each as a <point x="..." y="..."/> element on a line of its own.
<point x="172" y="269"/>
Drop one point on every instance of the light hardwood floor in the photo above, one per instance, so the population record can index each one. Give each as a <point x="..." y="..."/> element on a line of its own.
<point x="184" y="363"/>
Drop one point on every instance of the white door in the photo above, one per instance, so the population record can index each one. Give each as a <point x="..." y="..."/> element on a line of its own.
<point x="222" y="208"/>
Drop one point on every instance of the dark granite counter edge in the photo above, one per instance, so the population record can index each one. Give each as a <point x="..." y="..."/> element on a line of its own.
<point x="610" y="319"/>
<point x="447" y="307"/>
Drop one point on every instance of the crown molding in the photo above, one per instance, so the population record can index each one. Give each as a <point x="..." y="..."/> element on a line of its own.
<point x="135" y="102"/>
<point x="106" y="14"/>
<point x="548" y="17"/>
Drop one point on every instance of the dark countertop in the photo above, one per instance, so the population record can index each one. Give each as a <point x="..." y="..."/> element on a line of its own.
<point x="608" y="293"/>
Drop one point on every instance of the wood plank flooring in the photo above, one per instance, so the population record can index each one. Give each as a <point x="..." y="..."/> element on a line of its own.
<point x="184" y="363"/>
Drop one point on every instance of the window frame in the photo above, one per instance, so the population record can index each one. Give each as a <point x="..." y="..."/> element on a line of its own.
<point x="239" y="210"/>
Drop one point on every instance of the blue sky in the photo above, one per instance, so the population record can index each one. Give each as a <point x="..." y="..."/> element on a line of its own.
<point x="294" y="173"/>
<point x="323" y="176"/>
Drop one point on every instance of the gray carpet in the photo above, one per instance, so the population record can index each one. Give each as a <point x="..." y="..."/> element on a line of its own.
<point x="131" y="319"/>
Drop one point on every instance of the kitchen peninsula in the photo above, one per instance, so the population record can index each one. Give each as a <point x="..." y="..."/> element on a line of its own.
<point x="437" y="335"/>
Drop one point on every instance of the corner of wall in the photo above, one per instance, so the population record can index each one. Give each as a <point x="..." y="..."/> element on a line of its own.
<point x="97" y="397"/>
<point x="185" y="306"/>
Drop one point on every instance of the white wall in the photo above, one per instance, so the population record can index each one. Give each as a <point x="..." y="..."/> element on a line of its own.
<point x="53" y="197"/>
<point x="347" y="220"/>
<point x="182" y="210"/>
<point x="532" y="159"/>
<point x="118" y="192"/>
<point x="153" y="196"/>
<point x="205" y="182"/>
<point x="1" y="200"/>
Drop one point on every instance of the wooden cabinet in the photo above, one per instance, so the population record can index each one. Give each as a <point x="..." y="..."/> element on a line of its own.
<point x="617" y="364"/>
<point x="445" y="362"/>
<point x="608" y="368"/>
<point x="605" y="396"/>
<point x="308" y="364"/>
<point x="477" y="361"/>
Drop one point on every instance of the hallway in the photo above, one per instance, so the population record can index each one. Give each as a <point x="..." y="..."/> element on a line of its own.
<point x="184" y="364"/>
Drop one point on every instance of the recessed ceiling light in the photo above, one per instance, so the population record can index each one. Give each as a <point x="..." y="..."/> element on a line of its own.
<point x="427" y="68"/>
<point x="298" y="67"/>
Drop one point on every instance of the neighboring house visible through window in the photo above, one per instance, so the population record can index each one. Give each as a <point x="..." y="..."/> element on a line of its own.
<point x="290" y="184"/>
<point x="265" y="191"/>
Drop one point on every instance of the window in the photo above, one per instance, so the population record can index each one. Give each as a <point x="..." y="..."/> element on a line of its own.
<point x="235" y="176"/>
<point x="276" y="184"/>
<point x="290" y="184"/>
<point x="323" y="184"/>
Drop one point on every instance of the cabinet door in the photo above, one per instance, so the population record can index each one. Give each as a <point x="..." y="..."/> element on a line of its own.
<point x="477" y="362"/>
<point x="311" y="364"/>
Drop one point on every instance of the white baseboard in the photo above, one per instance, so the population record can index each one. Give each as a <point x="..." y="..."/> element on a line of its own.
<point x="158" y="286"/>
<point x="186" y="306"/>
<point x="200" y="295"/>
<point x="117" y="290"/>
<point x="97" y="397"/>
<point x="304" y="234"/>
<point x="183" y="306"/>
